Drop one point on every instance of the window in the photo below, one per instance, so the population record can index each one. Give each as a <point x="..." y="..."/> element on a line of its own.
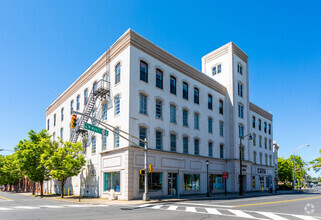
<point x="270" y="144"/>
<point x="159" y="109"/>
<point x="260" y="141"/>
<point x="185" y="145"/>
<point x="266" y="159"/>
<point x="196" y="146"/>
<point x="94" y="115"/>
<point x="214" y="71"/>
<point x="253" y="182"/>
<point x="95" y="87"/>
<point x="159" y="79"/>
<point x="240" y="69"/>
<point x="241" y="112"/>
<point x="196" y="96"/>
<point x="61" y="133"/>
<point x="242" y="151"/>
<point x="254" y="139"/>
<point x="210" y="125"/>
<point x="62" y="114"/>
<point x="261" y="159"/>
<point x="260" y="124"/>
<point x="173" y="142"/>
<point x="78" y="102"/>
<point x="210" y="102"/>
<point x="265" y="143"/>
<point x="265" y="127"/>
<point x="210" y="149"/>
<point x="173" y="113"/>
<point x="159" y="140"/>
<point x="54" y="119"/>
<point x="104" y="111"/>
<point x="269" y="128"/>
<point x="93" y="142"/>
<point x="270" y="157"/>
<point x="221" y="107"/>
<point x="105" y="77"/>
<point x="117" y="73"/>
<point x="241" y="131"/>
<point x="143" y="104"/>
<point x="254" y="157"/>
<point x="218" y="182"/>
<point x="117" y="105"/>
<point x="54" y="136"/>
<point x="185" y="117"/>
<point x="154" y="182"/>
<point x="71" y="106"/>
<point x="116" y="138"/>
<point x="240" y="89"/>
<point x="48" y="124"/>
<point x="112" y="181"/>
<point x="191" y="181"/>
<point x="143" y="71"/>
<point x="221" y="128"/>
<point x="86" y="96"/>
<point x="219" y="68"/>
<point x="185" y="90"/>
<point x="196" y="121"/>
<point x="142" y="135"/>
<point x="104" y="145"/>
<point x="173" y="85"/>
<point x="84" y="145"/>
<point x="221" y="151"/>
<point x="253" y="121"/>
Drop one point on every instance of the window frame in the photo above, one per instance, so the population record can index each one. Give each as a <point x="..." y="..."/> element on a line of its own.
<point x="157" y="80"/>
<point x="173" y="88"/>
<point x="185" y="93"/>
<point x="117" y="73"/>
<point x="144" y="74"/>
<point x="210" y="101"/>
<point x="196" y="95"/>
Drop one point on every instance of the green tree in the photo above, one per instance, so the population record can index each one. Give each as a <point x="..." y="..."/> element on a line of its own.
<point x="2" y="175"/>
<point x="64" y="162"/>
<point x="285" y="167"/>
<point x="29" y="153"/>
<point x="316" y="164"/>
<point x="299" y="168"/>
<point x="10" y="170"/>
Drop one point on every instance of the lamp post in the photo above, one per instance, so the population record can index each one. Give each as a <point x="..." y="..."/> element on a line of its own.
<point x="208" y="191"/>
<point x="293" y="182"/>
<point x="240" y="149"/>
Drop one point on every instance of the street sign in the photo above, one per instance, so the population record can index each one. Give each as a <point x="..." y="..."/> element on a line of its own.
<point x="225" y="175"/>
<point x="96" y="129"/>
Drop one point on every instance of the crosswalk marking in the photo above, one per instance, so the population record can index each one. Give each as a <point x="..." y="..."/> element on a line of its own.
<point x="190" y="209"/>
<point x="172" y="207"/>
<point x="50" y="206"/>
<point x="26" y="207"/>
<point x="272" y="215"/>
<point x="305" y="217"/>
<point x="5" y="209"/>
<point x="144" y="205"/>
<point x="213" y="211"/>
<point x="240" y="213"/>
<point x="157" y="206"/>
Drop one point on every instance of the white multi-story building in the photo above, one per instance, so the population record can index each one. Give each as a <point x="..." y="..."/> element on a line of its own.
<point x="188" y="117"/>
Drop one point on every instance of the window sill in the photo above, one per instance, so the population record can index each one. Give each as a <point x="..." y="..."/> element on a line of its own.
<point x="143" y="81"/>
<point x="175" y="123"/>
<point x="161" y="119"/>
<point x="146" y="115"/>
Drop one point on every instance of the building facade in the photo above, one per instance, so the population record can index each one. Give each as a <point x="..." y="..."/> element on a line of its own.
<point x="188" y="117"/>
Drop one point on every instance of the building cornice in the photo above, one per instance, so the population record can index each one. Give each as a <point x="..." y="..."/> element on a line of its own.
<point x="260" y="111"/>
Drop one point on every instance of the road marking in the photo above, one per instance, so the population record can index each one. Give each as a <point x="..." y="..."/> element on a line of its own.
<point x="190" y="209"/>
<point x="5" y="209"/>
<point x="213" y="211"/>
<point x="26" y="207"/>
<point x="200" y="204"/>
<point x="272" y="215"/>
<point x="157" y="206"/>
<point x="51" y="206"/>
<point x="144" y="205"/>
<point x="265" y="203"/>
<point x="305" y="217"/>
<point x="172" y="207"/>
<point x="5" y="198"/>
<point x="240" y="213"/>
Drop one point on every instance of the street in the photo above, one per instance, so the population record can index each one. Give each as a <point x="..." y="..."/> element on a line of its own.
<point x="287" y="206"/>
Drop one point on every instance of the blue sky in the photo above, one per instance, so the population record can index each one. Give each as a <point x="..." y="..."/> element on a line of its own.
<point x="45" y="45"/>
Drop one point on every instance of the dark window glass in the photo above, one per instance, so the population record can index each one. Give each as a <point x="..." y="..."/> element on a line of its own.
<point x="221" y="107"/>
<point x="210" y="102"/>
<point x="253" y="121"/>
<point x="196" y="96"/>
<point x="159" y="78"/>
<point x="173" y="85"/>
<point x="143" y="71"/>
<point x="117" y="73"/>
<point x="260" y="124"/>
<point x="185" y="91"/>
<point x="142" y="135"/>
<point x="154" y="182"/>
<point x="196" y="146"/>
<point x="173" y="142"/>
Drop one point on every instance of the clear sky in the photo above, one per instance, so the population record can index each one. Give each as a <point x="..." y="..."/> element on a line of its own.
<point x="45" y="45"/>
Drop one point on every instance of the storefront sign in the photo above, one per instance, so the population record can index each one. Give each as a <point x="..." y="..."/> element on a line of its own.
<point x="261" y="170"/>
<point x="225" y="175"/>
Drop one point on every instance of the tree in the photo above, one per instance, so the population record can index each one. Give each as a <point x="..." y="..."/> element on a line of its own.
<point x="300" y="172"/>
<point x="29" y="154"/>
<point x="316" y="164"/>
<point x="64" y="162"/>
<point x="10" y="170"/>
<point x="285" y="167"/>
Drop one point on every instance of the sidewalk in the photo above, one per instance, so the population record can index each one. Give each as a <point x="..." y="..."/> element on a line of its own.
<point x="183" y="198"/>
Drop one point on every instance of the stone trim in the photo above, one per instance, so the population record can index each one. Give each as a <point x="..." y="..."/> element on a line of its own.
<point x="260" y="111"/>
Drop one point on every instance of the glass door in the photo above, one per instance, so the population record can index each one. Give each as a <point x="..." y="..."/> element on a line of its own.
<point x="172" y="184"/>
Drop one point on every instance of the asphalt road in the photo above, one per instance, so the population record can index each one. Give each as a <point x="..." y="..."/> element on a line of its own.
<point x="289" y="206"/>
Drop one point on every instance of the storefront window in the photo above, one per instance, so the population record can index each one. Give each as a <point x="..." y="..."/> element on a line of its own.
<point x="112" y="181"/>
<point x="253" y="182"/>
<point x="155" y="182"/>
<point x="218" y="181"/>
<point x="191" y="182"/>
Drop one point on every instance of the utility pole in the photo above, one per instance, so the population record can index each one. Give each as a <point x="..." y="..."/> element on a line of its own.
<point x="241" y="168"/>
<point x="146" y="194"/>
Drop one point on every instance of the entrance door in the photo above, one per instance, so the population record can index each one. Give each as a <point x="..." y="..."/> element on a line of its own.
<point x="172" y="184"/>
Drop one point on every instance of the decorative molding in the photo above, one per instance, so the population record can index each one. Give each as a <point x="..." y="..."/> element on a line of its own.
<point x="238" y="52"/>
<point x="260" y="111"/>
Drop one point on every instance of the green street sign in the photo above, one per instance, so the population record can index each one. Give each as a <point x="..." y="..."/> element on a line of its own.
<point x="96" y="129"/>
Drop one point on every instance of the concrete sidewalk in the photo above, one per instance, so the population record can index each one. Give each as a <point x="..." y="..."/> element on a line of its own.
<point x="183" y="198"/>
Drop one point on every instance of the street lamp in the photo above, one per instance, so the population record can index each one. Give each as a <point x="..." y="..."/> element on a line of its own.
<point x="293" y="182"/>
<point x="240" y="149"/>
<point x="208" y="191"/>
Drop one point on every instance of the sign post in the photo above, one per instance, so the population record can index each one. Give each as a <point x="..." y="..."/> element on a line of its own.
<point x="225" y="177"/>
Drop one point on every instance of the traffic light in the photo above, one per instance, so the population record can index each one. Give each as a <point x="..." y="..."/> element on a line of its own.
<point x="73" y="122"/>
<point x="142" y="172"/>
<point x="150" y="169"/>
